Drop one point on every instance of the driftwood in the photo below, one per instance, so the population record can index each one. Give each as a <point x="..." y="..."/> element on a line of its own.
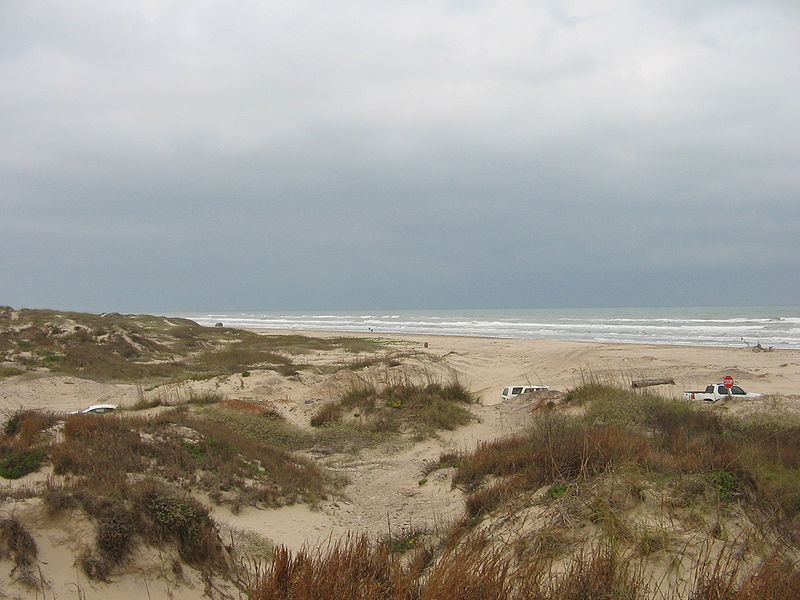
<point x="640" y="383"/>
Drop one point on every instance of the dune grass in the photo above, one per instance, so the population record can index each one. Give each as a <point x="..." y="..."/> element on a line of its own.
<point x="753" y="461"/>
<point x="135" y="479"/>
<point x="355" y="569"/>
<point x="421" y="409"/>
<point x="113" y="347"/>
<point x="129" y="513"/>
<point x="18" y="545"/>
<point x="588" y="468"/>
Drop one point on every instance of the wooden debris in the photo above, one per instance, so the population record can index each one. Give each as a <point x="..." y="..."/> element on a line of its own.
<point x="640" y="383"/>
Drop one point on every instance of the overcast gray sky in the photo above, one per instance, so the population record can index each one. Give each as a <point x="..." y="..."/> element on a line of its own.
<point x="162" y="156"/>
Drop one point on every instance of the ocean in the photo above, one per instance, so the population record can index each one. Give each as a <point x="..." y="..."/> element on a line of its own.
<point x="776" y="326"/>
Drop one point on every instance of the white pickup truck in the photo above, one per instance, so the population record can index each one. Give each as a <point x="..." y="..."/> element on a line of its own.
<point x="718" y="391"/>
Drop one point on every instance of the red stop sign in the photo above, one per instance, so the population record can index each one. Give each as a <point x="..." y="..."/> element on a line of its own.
<point x="727" y="381"/>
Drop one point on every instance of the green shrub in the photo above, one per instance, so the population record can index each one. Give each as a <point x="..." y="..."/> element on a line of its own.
<point x="16" y="464"/>
<point x="726" y="484"/>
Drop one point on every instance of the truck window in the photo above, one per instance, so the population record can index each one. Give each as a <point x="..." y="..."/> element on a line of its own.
<point x="505" y="392"/>
<point x="737" y="390"/>
<point x="709" y="389"/>
<point x="516" y="391"/>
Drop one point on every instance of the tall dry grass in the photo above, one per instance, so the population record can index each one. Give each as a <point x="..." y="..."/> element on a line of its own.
<point x="355" y="569"/>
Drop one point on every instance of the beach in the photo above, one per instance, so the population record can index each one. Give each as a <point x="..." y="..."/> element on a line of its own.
<point x="385" y="488"/>
<point x="485" y="366"/>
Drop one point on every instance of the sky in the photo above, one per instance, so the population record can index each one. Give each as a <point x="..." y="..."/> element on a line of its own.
<point x="311" y="155"/>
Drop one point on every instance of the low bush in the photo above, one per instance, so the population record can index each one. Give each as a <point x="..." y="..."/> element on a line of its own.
<point x="485" y="500"/>
<point x="407" y="539"/>
<point x="18" y="545"/>
<point x="420" y="409"/>
<point x="26" y="425"/>
<point x="16" y="464"/>
<point x="181" y="518"/>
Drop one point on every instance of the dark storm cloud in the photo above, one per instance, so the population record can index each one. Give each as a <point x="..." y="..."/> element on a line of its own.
<point x="160" y="155"/>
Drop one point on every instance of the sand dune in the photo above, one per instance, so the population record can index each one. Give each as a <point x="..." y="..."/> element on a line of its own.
<point x="384" y="490"/>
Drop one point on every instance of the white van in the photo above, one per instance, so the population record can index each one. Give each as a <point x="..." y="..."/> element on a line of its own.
<point x="512" y="391"/>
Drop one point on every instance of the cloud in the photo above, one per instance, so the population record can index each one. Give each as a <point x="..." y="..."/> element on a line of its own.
<point x="369" y="153"/>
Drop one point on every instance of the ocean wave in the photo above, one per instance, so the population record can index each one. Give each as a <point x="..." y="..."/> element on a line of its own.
<point x="729" y="327"/>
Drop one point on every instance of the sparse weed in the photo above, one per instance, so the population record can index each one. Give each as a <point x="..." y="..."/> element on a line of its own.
<point x="327" y="413"/>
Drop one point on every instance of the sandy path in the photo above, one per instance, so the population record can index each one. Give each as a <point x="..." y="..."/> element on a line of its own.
<point x="385" y="493"/>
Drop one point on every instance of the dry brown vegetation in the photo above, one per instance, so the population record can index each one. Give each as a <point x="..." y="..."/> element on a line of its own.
<point x="134" y="477"/>
<point x="355" y="569"/>
<point x="585" y="476"/>
<point x="17" y="543"/>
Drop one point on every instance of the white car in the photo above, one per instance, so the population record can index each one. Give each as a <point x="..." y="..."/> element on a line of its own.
<point x="512" y="391"/>
<point x="96" y="409"/>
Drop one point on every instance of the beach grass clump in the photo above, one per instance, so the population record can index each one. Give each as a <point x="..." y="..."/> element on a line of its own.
<point x="419" y="408"/>
<point x="17" y="544"/>
<point x="23" y="445"/>
<point x="99" y="447"/>
<point x="25" y="427"/>
<point x="329" y="412"/>
<point x="359" y="364"/>
<point x="267" y="428"/>
<point x="446" y="460"/>
<point x="283" y="478"/>
<point x="205" y="397"/>
<point x="351" y="569"/>
<point x="555" y="449"/>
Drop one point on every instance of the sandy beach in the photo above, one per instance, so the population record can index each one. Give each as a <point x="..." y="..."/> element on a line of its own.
<point x="384" y="487"/>
<point x="485" y="365"/>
